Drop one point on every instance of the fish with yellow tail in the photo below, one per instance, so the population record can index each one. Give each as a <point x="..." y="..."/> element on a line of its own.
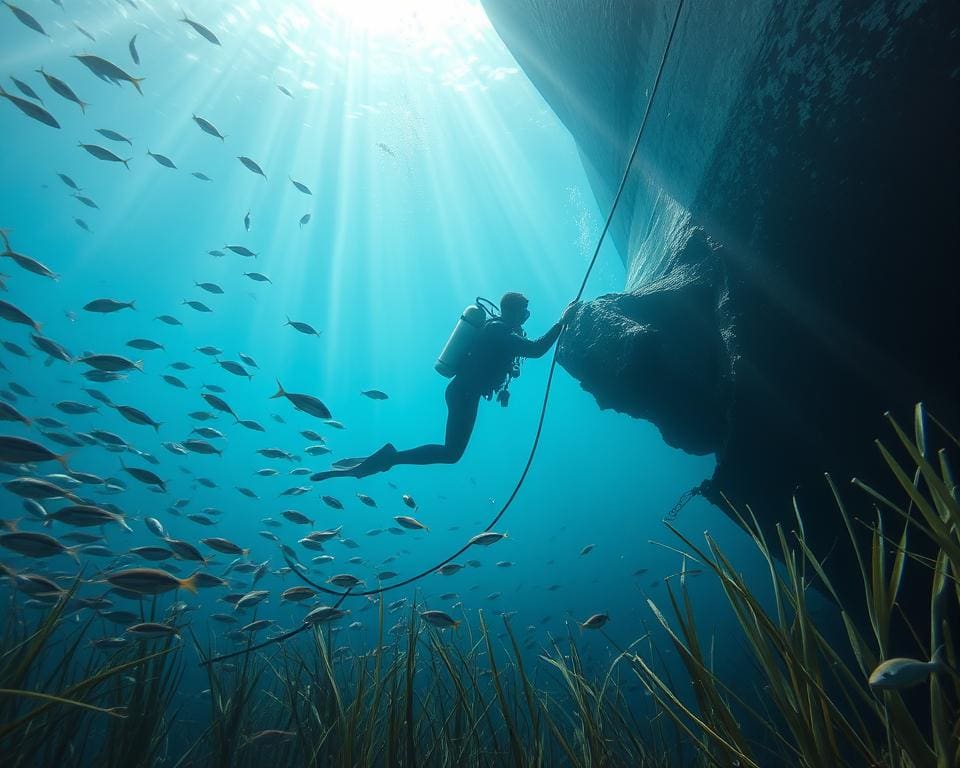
<point x="151" y="581"/>
<point x="896" y="674"/>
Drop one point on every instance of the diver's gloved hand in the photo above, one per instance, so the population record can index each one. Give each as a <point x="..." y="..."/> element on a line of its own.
<point x="568" y="313"/>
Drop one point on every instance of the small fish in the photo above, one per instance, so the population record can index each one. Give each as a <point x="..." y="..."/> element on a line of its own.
<point x="145" y="476"/>
<point x="104" y="306"/>
<point x="82" y="224"/>
<point x="207" y="127"/>
<point x="201" y="30"/>
<point x="199" y="306"/>
<point x="87" y="515"/>
<point x="20" y="450"/>
<point x="225" y="546"/>
<point x="252" y="598"/>
<point x="305" y="403"/>
<point x="204" y="177"/>
<point x="185" y="550"/>
<point x="37" y="545"/>
<point x="25" y="18"/>
<point x="153" y="553"/>
<point x="449" y="569"/>
<point x="108" y="438"/>
<point x="147" y="345"/>
<point x="297" y="517"/>
<point x="304" y="328"/>
<point x="331" y="501"/>
<point x="9" y="413"/>
<point x="241" y="250"/>
<point x="208" y="432"/>
<point x="247" y="492"/>
<point x="136" y="416"/>
<point x="301" y="186"/>
<point x="113" y="135"/>
<point x="168" y="320"/>
<point x="410" y="523"/>
<point x="101" y="153"/>
<point x="235" y="368"/>
<point x="165" y="161"/>
<point x="587" y="549"/>
<point x="87" y="201"/>
<point x="385" y="148"/>
<point x="84" y="32"/>
<point x="305" y="219"/>
<point x="257" y="277"/>
<point x="246" y="221"/>
<point x="108" y="71"/>
<point x="52" y="348"/>
<point x="69" y="182"/>
<point x="374" y="394"/>
<point x="251" y="424"/>
<point x="74" y="408"/>
<point x="284" y="91"/>
<point x="439" y="619"/>
<point x="25" y="89"/>
<point x="109" y="643"/>
<point x="487" y="538"/>
<point x="30" y="109"/>
<point x="296" y="594"/>
<point x="344" y="580"/>
<point x="209" y="287"/>
<point x="110" y="363"/>
<point x="366" y="500"/>
<point x="896" y="674"/>
<point x="173" y="381"/>
<point x="595" y="622"/>
<point x="12" y="314"/>
<point x="132" y="46"/>
<point x="150" y="630"/>
<point x="155" y="527"/>
<point x="252" y="166"/>
<point x="62" y="89"/>
<point x="323" y="614"/>
<point x="201" y="447"/>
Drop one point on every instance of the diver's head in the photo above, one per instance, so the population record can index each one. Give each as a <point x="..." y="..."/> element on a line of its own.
<point x="513" y="309"/>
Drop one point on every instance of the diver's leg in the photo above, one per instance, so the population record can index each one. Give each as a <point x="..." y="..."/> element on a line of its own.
<point x="462" y="405"/>
<point x="461" y="416"/>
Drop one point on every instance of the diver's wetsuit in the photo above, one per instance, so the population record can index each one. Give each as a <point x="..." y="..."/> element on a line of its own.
<point x="481" y="373"/>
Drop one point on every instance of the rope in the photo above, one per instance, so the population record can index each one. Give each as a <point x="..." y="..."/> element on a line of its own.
<point x="685" y="497"/>
<point x="546" y="395"/>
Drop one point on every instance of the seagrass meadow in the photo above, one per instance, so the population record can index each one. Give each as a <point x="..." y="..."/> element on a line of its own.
<point x="482" y="695"/>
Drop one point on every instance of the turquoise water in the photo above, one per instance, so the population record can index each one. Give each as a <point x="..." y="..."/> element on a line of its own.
<point x="437" y="174"/>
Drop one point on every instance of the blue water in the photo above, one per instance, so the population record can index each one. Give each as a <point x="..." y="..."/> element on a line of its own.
<point x="482" y="191"/>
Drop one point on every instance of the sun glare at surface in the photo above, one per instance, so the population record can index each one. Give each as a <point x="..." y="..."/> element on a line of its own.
<point x="422" y="21"/>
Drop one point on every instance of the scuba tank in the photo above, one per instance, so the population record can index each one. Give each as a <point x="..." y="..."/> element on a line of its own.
<point x="464" y="334"/>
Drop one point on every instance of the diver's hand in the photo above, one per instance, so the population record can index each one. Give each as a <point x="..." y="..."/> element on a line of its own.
<point x="569" y="311"/>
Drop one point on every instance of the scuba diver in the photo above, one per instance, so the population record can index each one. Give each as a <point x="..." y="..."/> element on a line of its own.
<point x="482" y="356"/>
